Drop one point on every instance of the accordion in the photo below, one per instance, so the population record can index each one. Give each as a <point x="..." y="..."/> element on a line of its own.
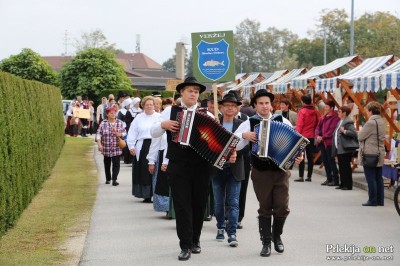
<point x="278" y="142"/>
<point x="204" y="135"/>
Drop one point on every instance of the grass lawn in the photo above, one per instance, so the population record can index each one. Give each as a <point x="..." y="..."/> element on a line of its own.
<point x="56" y="221"/>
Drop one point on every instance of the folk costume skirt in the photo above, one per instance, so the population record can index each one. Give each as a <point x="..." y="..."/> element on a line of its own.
<point x="141" y="178"/>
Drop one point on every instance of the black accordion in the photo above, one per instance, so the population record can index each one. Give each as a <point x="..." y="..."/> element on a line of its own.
<point x="278" y="142"/>
<point x="204" y="135"/>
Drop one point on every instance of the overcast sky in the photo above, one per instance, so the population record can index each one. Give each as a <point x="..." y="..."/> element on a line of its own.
<point x="41" y="24"/>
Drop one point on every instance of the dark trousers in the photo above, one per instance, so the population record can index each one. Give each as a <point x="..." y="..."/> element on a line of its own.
<point x="189" y="188"/>
<point x="345" y="173"/>
<point x="272" y="191"/>
<point x="375" y="184"/>
<point x="243" y="187"/>
<point x="329" y="164"/>
<point x="310" y="160"/>
<point x="115" y="167"/>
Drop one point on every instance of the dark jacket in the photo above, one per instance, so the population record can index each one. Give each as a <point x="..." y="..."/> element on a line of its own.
<point x="248" y="110"/>
<point x="350" y="132"/>
<point x="326" y="126"/>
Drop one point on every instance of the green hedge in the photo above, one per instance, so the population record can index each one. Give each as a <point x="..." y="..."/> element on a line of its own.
<point x="31" y="138"/>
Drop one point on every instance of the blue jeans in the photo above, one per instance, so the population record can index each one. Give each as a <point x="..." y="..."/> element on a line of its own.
<point x="226" y="186"/>
<point x="375" y="184"/>
<point x="329" y="164"/>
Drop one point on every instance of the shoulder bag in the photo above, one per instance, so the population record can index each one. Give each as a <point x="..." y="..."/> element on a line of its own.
<point x="371" y="160"/>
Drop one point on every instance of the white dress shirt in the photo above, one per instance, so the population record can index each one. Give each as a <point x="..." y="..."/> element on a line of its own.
<point x="245" y="127"/>
<point x="140" y="130"/>
<point x="158" y="144"/>
<point x="157" y="131"/>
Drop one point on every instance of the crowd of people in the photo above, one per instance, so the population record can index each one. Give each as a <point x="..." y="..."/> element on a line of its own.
<point x="174" y="178"/>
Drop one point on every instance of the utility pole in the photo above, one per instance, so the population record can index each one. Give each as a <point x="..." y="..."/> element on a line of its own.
<point x="352" y="29"/>
<point x="324" y="44"/>
<point x="138" y="43"/>
<point x="66" y="42"/>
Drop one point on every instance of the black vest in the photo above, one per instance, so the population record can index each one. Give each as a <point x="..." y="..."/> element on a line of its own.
<point x="262" y="164"/>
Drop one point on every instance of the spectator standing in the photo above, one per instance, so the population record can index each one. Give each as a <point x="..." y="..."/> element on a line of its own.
<point x="371" y="139"/>
<point x="345" y="132"/>
<point x="324" y="134"/>
<point x="307" y="121"/>
<point x="285" y="111"/>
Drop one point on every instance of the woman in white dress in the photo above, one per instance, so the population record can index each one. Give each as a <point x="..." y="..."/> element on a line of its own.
<point x="139" y="141"/>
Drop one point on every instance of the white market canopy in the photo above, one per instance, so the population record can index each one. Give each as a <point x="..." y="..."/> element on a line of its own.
<point x="281" y="84"/>
<point x="301" y="82"/>
<point x="366" y="67"/>
<point x="388" y="78"/>
<point x="272" y="78"/>
<point x="248" y="80"/>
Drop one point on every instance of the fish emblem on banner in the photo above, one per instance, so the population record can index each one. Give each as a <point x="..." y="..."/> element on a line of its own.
<point x="213" y="60"/>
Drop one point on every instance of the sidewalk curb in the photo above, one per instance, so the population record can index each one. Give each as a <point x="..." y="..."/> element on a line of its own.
<point x="358" y="181"/>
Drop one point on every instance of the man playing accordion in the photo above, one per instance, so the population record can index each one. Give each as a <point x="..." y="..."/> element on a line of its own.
<point x="188" y="173"/>
<point x="271" y="183"/>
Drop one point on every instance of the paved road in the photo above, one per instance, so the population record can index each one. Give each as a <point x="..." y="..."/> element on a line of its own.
<point x="125" y="231"/>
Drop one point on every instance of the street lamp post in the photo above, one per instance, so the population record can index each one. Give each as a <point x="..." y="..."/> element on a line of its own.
<point x="324" y="45"/>
<point x="352" y="29"/>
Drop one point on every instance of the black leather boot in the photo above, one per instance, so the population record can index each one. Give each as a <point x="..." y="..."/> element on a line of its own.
<point x="264" y="225"/>
<point x="277" y="229"/>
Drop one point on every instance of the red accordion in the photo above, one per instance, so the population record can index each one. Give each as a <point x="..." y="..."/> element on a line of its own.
<point x="205" y="135"/>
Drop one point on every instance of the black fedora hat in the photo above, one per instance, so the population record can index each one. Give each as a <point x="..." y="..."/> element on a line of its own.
<point x="211" y="97"/>
<point x="156" y="94"/>
<point x="122" y="94"/>
<point x="190" y="81"/>
<point x="236" y="94"/>
<point x="229" y="97"/>
<point x="260" y="93"/>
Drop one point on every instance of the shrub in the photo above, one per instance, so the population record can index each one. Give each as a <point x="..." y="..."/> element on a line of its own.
<point x="31" y="138"/>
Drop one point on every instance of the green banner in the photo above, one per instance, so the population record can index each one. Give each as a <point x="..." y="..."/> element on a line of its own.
<point x="213" y="56"/>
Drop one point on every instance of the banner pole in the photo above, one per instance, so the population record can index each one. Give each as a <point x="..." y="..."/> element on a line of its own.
<point x="214" y="88"/>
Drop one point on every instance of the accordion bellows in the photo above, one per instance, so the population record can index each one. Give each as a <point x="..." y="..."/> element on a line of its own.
<point x="205" y="135"/>
<point x="278" y="142"/>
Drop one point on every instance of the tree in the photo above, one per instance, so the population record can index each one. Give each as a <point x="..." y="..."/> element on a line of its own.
<point x="29" y="65"/>
<point x="310" y="51"/>
<point x="170" y="64"/>
<point x="257" y="50"/>
<point x="247" y="46"/>
<point x="377" y="34"/>
<point x="307" y="52"/>
<point x="90" y="72"/>
<point x="95" y="39"/>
